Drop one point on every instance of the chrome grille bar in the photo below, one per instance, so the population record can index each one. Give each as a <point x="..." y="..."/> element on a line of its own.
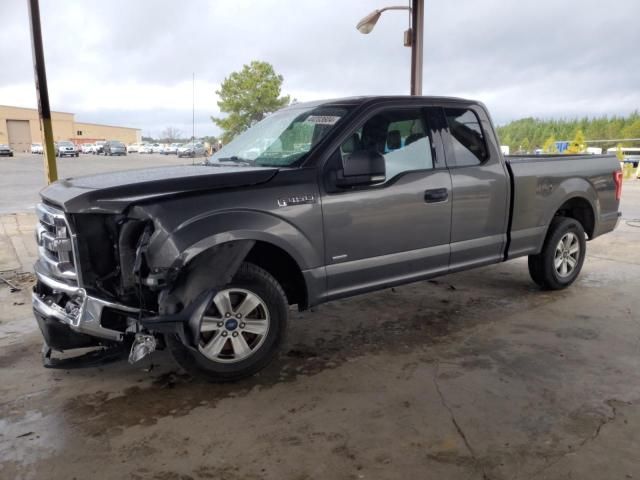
<point x="55" y="245"/>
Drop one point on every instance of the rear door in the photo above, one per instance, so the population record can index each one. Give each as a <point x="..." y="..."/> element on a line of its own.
<point x="397" y="230"/>
<point x="480" y="188"/>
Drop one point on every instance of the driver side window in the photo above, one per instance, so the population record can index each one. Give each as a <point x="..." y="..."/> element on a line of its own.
<point x="400" y="136"/>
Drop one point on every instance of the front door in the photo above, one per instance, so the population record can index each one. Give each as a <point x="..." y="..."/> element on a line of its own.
<point x="396" y="230"/>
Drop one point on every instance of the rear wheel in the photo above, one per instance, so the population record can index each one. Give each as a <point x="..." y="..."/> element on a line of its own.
<point x="559" y="263"/>
<point x="241" y="330"/>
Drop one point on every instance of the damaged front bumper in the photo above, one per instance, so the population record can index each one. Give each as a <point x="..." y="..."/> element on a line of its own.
<point x="69" y="317"/>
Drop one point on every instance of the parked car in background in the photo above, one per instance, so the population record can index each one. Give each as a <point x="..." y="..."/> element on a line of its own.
<point x="630" y="154"/>
<point x="157" y="148"/>
<point x="36" y="148"/>
<point x="114" y="147"/>
<point x="145" y="148"/>
<point x="191" y="150"/>
<point x="98" y="147"/>
<point x="66" y="148"/>
<point x="133" y="148"/>
<point x="171" y="149"/>
<point x="87" y="147"/>
<point x="5" y="150"/>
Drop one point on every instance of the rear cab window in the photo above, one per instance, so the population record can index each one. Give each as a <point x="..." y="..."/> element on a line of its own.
<point x="467" y="138"/>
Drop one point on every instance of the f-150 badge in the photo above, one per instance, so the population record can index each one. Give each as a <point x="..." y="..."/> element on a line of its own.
<point x="296" y="200"/>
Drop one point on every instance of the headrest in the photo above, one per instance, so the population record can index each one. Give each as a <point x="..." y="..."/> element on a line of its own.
<point x="412" y="138"/>
<point x="394" y="140"/>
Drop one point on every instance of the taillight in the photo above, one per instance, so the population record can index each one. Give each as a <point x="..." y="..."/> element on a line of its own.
<point x="617" y="179"/>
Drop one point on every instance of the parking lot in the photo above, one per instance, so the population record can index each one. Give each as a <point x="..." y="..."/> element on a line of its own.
<point x="476" y="375"/>
<point x="23" y="175"/>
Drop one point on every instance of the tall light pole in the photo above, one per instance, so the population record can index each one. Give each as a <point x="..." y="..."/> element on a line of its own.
<point x="44" y="110"/>
<point x="412" y="38"/>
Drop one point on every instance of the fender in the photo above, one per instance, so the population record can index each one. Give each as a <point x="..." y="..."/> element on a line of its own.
<point x="172" y="250"/>
<point x="568" y="189"/>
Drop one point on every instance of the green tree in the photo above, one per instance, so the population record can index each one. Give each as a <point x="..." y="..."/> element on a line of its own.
<point x="525" y="145"/>
<point x="619" y="153"/>
<point x="596" y="128"/>
<point x="632" y="131"/>
<point x="550" y="145"/>
<point x="247" y="97"/>
<point x="577" y="145"/>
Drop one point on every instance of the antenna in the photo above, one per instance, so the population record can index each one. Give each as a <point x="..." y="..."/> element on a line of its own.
<point x="193" y="111"/>
<point x="193" y="116"/>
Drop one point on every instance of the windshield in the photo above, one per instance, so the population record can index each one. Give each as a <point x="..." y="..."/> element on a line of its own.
<point x="282" y="138"/>
<point x="66" y="144"/>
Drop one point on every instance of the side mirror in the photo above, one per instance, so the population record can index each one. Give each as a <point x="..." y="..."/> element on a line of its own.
<point x="362" y="167"/>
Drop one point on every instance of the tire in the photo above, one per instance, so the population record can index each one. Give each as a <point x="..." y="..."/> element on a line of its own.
<point x="225" y="368"/>
<point x="559" y="263"/>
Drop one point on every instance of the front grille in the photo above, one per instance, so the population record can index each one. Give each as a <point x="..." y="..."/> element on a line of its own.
<point x="54" y="239"/>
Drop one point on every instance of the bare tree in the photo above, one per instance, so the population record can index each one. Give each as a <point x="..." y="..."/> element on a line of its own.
<point x="171" y="134"/>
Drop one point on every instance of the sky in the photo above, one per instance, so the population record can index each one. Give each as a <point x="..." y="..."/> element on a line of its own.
<point x="131" y="62"/>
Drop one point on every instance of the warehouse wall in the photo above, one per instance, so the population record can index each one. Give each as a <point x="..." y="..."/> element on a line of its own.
<point x="62" y="123"/>
<point x="92" y="132"/>
<point x="65" y="127"/>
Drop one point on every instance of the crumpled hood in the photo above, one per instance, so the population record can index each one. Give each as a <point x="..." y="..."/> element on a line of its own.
<point x="114" y="192"/>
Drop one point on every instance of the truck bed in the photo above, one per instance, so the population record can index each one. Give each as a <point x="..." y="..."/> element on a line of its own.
<point x="542" y="183"/>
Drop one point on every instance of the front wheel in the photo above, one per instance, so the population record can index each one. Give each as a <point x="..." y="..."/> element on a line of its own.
<point x="241" y="331"/>
<point x="559" y="263"/>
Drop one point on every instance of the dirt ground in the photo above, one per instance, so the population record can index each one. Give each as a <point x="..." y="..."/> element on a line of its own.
<point x="477" y="375"/>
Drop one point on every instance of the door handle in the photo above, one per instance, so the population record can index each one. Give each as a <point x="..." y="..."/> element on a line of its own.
<point x="436" y="195"/>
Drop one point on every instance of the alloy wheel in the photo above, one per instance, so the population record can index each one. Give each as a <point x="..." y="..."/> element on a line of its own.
<point x="234" y="327"/>
<point x="567" y="255"/>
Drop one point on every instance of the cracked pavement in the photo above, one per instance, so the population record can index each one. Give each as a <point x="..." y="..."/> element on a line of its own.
<point x="494" y="379"/>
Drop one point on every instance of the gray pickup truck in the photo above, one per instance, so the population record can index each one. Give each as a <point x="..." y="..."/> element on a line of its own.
<point x="316" y="202"/>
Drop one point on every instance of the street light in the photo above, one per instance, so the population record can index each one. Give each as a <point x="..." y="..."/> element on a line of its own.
<point x="413" y="37"/>
<point x="367" y="23"/>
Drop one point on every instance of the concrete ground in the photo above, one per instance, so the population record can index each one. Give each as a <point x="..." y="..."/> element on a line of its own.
<point x="476" y="375"/>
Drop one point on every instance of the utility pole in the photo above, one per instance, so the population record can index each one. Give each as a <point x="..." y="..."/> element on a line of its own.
<point x="412" y="37"/>
<point x="44" y="110"/>
<point x="417" y="35"/>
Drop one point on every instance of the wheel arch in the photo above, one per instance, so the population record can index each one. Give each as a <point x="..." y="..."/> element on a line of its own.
<point x="580" y="209"/>
<point x="217" y="265"/>
<point x="575" y="198"/>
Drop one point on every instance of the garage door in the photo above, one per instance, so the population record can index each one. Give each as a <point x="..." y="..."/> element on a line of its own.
<point x="19" y="135"/>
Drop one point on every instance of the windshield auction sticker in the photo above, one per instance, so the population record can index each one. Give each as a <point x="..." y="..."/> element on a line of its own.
<point x="322" y="119"/>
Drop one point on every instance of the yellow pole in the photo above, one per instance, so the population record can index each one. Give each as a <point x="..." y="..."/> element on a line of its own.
<point x="44" y="110"/>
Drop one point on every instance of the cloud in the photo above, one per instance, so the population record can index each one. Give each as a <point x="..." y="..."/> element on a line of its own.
<point x="132" y="62"/>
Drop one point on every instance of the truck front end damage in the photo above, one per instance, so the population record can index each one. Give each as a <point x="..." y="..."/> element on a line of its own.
<point x="95" y="288"/>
